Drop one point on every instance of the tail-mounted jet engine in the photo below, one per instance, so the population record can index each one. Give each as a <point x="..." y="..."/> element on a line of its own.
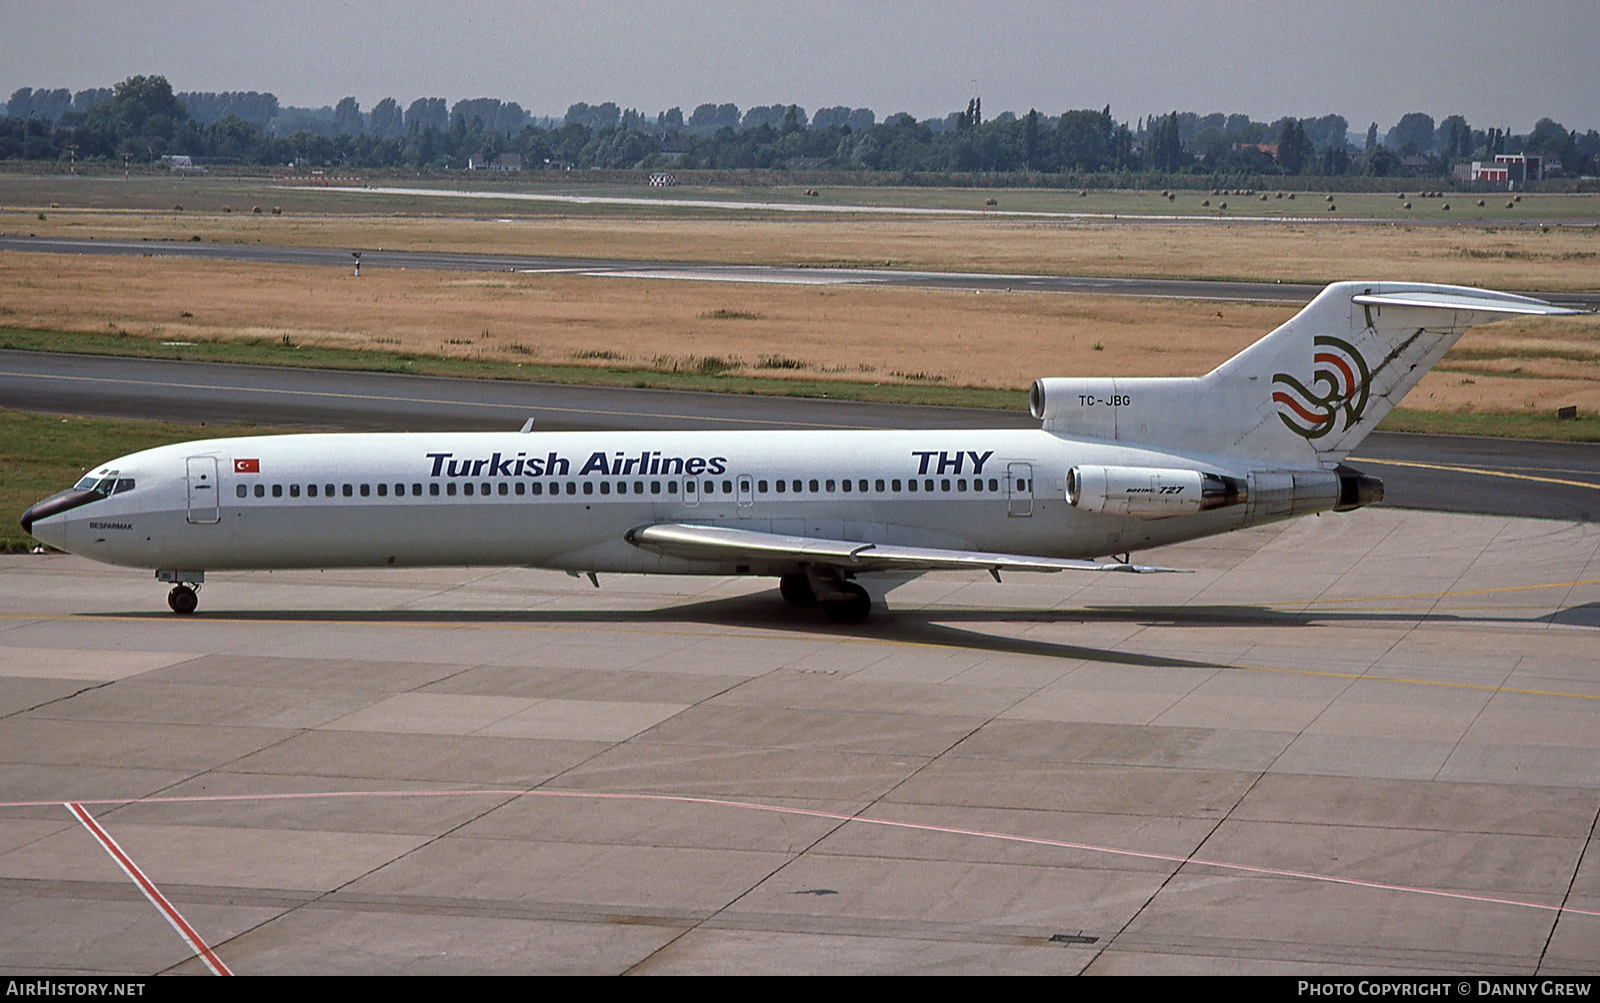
<point x="1150" y="492"/>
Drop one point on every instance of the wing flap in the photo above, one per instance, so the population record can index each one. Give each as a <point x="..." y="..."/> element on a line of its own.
<point x="727" y="543"/>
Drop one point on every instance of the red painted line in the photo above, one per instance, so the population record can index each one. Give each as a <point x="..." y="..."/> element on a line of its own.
<point x="150" y="890"/>
<point x="812" y="813"/>
<point x="1295" y="406"/>
<point x="1349" y="377"/>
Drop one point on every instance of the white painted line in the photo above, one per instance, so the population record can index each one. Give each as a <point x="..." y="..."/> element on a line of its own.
<point x="150" y="890"/>
<point x="753" y="276"/>
<point x="1181" y="860"/>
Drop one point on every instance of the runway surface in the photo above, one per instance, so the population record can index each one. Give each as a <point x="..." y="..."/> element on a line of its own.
<point x="1353" y="745"/>
<point x="1190" y="289"/>
<point x="1443" y="473"/>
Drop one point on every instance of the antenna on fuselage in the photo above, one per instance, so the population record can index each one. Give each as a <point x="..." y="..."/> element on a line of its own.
<point x="527" y="426"/>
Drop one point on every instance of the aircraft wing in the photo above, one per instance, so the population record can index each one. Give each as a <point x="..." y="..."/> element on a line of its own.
<point x="726" y="543"/>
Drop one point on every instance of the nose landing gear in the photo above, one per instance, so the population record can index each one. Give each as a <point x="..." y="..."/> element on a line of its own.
<point x="185" y="584"/>
<point x="182" y="599"/>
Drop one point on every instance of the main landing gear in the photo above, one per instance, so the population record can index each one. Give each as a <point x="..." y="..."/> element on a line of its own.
<point x="841" y="601"/>
<point x="182" y="599"/>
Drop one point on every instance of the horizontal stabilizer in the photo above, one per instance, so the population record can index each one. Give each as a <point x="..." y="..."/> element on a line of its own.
<point x="725" y="543"/>
<point x="1480" y="300"/>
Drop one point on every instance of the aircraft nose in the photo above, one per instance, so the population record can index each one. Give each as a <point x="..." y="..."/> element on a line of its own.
<point x="49" y="532"/>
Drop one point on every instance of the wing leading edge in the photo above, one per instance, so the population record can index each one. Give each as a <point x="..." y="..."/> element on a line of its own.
<point x="726" y="543"/>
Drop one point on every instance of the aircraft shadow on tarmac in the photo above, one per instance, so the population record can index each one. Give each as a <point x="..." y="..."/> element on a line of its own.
<point x="935" y="627"/>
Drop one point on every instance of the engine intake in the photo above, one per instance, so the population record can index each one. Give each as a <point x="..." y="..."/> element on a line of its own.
<point x="1151" y="492"/>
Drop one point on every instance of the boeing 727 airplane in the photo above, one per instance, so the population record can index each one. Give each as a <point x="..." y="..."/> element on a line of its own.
<point x="1119" y="464"/>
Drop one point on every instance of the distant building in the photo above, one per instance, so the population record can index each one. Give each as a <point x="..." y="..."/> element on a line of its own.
<point x="1521" y="166"/>
<point x="180" y="164"/>
<point x="1509" y="169"/>
<point x="1270" y="149"/>
<point x="501" y="162"/>
<point x="1493" y="173"/>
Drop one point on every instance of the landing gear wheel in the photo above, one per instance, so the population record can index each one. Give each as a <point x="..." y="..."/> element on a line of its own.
<point x="796" y="590"/>
<point x="182" y="600"/>
<point x="851" y="610"/>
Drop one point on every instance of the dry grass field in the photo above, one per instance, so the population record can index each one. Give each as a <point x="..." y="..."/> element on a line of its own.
<point x="857" y="334"/>
<point x="1554" y="258"/>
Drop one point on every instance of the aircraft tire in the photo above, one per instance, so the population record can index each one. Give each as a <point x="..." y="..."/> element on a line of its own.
<point x="796" y="590"/>
<point x="182" y="600"/>
<point x="852" y="610"/>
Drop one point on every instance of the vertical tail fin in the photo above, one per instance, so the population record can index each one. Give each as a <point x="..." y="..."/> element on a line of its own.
<point x="1304" y="395"/>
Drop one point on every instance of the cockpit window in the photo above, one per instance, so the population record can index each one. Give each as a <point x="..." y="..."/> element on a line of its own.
<point x="104" y="486"/>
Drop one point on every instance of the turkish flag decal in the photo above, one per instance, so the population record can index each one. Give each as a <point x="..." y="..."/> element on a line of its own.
<point x="247" y="466"/>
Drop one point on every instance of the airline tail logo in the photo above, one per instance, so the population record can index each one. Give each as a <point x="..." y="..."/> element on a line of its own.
<point x="1336" y="396"/>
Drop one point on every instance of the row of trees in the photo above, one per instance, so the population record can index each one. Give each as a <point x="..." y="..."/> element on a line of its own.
<point x="142" y="118"/>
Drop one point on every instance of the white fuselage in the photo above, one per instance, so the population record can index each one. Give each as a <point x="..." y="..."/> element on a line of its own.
<point x="565" y="500"/>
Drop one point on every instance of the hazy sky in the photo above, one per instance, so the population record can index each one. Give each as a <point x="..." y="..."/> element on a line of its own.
<point x="1496" y="62"/>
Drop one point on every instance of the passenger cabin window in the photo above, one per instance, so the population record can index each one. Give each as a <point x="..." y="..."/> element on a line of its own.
<point x="450" y="489"/>
<point x="348" y="490"/>
<point x="311" y="490"/>
<point x="277" y="491"/>
<point x="433" y="488"/>
<point x="294" y="491"/>
<point x="383" y="490"/>
<point x="242" y="490"/>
